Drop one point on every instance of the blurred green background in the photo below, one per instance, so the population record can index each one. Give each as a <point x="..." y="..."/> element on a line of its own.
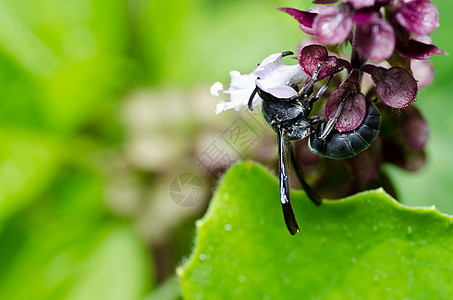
<point x="104" y="102"/>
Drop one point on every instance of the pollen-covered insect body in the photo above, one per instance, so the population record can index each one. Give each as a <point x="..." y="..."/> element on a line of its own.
<point x="290" y="118"/>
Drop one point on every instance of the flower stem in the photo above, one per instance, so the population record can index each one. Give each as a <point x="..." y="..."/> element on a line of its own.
<point x="357" y="60"/>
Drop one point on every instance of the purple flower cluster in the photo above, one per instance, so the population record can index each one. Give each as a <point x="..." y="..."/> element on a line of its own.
<point x="395" y="86"/>
<point x="377" y="30"/>
<point x="378" y="27"/>
<point x="389" y="48"/>
<point x="392" y="30"/>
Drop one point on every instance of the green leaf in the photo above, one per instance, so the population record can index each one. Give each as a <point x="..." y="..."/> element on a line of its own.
<point x="363" y="247"/>
<point x="62" y="61"/>
<point x="116" y="269"/>
<point x="66" y="246"/>
<point x="168" y="290"/>
<point x="108" y="262"/>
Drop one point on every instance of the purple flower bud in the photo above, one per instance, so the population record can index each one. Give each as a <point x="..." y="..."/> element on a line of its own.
<point x="305" y="18"/>
<point x="414" y="160"/>
<point x="413" y="128"/>
<point x="370" y="69"/>
<point x="311" y="55"/>
<point x="423" y="72"/>
<point x="399" y="154"/>
<point x="365" y="15"/>
<point x="353" y="111"/>
<point x="375" y="39"/>
<point x="395" y="86"/>
<point x="344" y="63"/>
<point x="418" y="16"/>
<point x="334" y="27"/>
<point x="358" y="4"/>
<point x="323" y="9"/>
<point x="422" y="38"/>
<point x="417" y="50"/>
<point x="324" y="1"/>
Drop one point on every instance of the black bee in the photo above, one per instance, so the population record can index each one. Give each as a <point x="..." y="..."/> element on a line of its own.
<point x="290" y="118"/>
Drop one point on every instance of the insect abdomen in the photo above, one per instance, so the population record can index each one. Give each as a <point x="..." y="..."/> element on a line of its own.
<point x="339" y="145"/>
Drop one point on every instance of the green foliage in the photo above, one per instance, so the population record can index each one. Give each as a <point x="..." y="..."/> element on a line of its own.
<point x="169" y="290"/>
<point x="65" y="58"/>
<point x="28" y="161"/>
<point x="62" y="65"/>
<point x="65" y="67"/>
<point x="66" y="248"/>
<point x="106" y="263"/>
<point x="363" y="247"/>
<point x="205" y="39"/>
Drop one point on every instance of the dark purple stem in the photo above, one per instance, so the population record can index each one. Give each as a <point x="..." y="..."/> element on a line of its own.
<point x="357" y="60"/>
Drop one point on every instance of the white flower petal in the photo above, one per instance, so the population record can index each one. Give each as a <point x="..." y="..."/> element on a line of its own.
<point x="215" y="88"/>
<point x="275" y="78"/>
<point x="220" y="107"/>
<point x="241" y="87"/>
<point x="279" y="79"/>
<point x="268" y="64"/>
<point x="239" y="81"/>
<point x="235" y="74"/>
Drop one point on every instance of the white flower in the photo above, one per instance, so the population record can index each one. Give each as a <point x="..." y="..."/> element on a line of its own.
<point x="216" y="88"/>
<point x="240" y="90"/>
<point x="271" y="76"/>
<point x="276" y="78"/>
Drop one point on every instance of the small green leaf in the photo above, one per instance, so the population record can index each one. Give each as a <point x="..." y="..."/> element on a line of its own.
<point x="363" y="247"/>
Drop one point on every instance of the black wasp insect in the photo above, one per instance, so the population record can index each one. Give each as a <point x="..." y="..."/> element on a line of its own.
<point x="290" y="119"/>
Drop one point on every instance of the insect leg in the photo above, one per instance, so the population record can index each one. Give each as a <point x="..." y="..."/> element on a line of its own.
<point x="309" y="104"/>
<point x="297" y="168"/>
<point x="288" y="213"/>
<point x="309" y="87"/>
<point x="332" y="122"/>
<point x="316" y="120"/>
<point x="252" y="96"/>
<point x="320" y="92"/>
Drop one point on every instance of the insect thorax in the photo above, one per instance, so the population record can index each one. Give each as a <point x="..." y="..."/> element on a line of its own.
<point x="288" y="115"/>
